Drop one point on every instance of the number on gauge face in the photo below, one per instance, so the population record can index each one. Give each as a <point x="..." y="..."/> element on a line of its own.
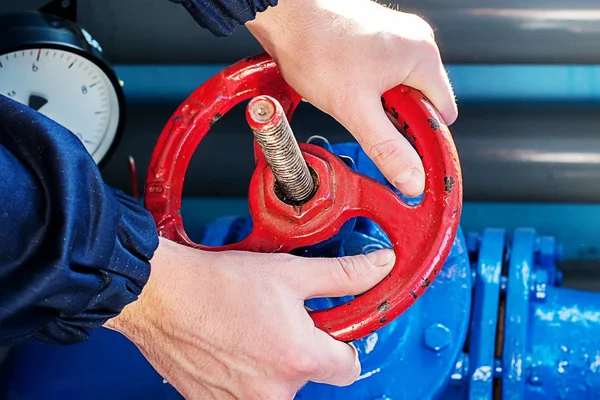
<point x="67" y="88"/>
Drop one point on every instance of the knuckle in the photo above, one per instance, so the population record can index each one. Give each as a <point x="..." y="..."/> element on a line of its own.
<point x="389" y="153"/>
<point x="348" y="271"/>
<point x="430" y="51"/>
<point x="304" y="364"/>
<point x="423" y="26"/>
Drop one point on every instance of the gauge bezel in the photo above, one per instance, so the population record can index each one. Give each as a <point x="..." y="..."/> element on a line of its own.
<point x="34" y="30"/>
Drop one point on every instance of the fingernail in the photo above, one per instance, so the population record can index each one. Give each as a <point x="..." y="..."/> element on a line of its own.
<point x="382" y="258"/>
<point x="410" y="182"/>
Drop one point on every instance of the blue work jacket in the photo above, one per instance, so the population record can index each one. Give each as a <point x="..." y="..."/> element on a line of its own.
<point x="74" y="251"/>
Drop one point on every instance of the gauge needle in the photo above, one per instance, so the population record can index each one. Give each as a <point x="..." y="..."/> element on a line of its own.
<point x="36" y="102"/>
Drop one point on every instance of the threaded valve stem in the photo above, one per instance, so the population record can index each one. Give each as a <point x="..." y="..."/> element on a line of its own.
<point x="275" y="137"/>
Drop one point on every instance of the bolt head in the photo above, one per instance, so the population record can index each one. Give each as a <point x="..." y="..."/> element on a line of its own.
<point x="437" y="337"/>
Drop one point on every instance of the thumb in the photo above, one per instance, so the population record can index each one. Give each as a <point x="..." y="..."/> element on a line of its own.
<point x="395" y="157"/>
<point x="336" y="277"/>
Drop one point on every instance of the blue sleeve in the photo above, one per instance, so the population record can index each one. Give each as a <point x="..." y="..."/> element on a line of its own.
<point x="222" y="17"/>
<point x="73" y="251"/>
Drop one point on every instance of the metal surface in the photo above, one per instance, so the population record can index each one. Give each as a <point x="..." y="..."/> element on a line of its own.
<point x="474" y="31"/>
<point x="544" y="344"/>
<point x="31" y="31"/>
<point x="274" y="135"/>
<point x="341" y="193"/>
<point x="484" y="315"/>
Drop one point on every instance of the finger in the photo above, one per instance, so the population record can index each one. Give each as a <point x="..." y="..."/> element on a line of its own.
<point x="338" y="361"/>
<point x="395" y="157"/>
<point x="336" y="277"/>
<point x="431" y="78"/>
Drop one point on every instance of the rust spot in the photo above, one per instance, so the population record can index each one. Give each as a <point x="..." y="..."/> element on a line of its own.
<point x="328" y="328"/>
<point x="413" y="295"/>
<point x="455" y="211"/>
<point x="434" y="123"/>
<point x="349" y="303"/>
<point x="395" y="113"/>
<point x="435" y="271"/>
<point x="248" y="59"/>
<point x="425" y="98"/>
<point x="405" y="127"/>
<point x="390" y="275"/>
<point x="383" y="307"/>
<point x="215" y="119"/>
<point x="426" y="283"/>
<point x="449" y="182"/>
<point x="382" y="319"/>
<point x="414" y="138"/>
<point x="155" y="189"/>
<point x="382" y="100"/>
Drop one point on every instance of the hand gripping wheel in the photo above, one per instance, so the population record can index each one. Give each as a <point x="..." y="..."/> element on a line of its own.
<point x="422" y="235"/>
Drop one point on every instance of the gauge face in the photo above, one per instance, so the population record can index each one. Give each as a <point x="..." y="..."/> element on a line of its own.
<point x="67" y="88"/>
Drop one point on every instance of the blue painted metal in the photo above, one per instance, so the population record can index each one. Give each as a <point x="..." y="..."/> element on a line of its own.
<point x="538" y="339"/>
<point x="489" y="83"/>
<point x="484" y="316"/>
<point x="564" y="345"/>
<point x="516" y="321"/>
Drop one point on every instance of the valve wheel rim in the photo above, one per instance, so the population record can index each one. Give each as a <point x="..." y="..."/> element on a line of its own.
<point x="421" y="244"/>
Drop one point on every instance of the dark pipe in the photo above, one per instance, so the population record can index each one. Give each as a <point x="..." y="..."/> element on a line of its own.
<point x="508" y="153"/>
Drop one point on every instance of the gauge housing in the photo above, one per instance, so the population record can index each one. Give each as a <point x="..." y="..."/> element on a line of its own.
<point x="36" y="29"/>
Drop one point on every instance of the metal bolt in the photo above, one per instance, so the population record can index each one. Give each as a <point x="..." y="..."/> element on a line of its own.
<point x="437" y="337"/>
<point x="276" y="139"/>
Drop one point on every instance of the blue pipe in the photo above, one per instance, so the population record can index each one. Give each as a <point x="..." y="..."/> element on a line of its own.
<point x="472" y="83"/>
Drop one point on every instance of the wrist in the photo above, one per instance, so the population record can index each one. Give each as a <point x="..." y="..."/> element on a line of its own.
<point x="297" y="28"/>
<point x="290" y="18"/>
<point x="136" y="319"/>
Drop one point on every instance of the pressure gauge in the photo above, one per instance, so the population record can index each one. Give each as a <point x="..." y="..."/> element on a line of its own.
<point x="55" y="67"/>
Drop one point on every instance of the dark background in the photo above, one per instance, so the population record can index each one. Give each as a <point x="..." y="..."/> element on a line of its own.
<point x="493" y="140"/>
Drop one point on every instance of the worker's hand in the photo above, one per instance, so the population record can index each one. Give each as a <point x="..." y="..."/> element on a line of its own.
<point x="232" y="325"/>
<point x="342" y="55"/>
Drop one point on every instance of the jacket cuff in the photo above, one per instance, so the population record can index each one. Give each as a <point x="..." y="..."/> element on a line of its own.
<point x="121" y="280"/>
<point x="222" y="18"/>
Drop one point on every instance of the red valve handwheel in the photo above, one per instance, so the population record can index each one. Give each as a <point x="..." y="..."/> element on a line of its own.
<point x="422" y="235"/>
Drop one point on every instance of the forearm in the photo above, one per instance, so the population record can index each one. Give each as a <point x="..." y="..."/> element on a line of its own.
<point x="73" y="251"/>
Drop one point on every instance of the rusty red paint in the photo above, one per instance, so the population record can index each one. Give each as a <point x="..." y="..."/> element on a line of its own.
<point x="422" y="235"/>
